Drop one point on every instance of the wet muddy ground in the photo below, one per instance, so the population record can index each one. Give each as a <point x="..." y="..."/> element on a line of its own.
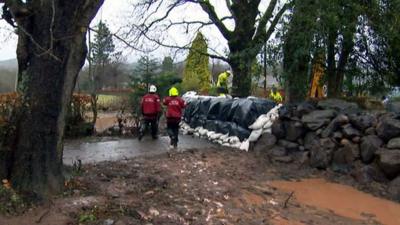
<point x="209" y="186"/>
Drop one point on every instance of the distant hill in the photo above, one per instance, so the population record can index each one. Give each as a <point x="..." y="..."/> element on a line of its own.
<point x="10" y="64"/>
<point x="8" y="71"/>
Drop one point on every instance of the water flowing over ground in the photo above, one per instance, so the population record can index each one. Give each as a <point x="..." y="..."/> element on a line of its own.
<point x="342" y="200"/>
<point x="96" y="150"/>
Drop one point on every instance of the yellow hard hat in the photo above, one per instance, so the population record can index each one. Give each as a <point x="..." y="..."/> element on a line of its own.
<point x="173" y="91"/>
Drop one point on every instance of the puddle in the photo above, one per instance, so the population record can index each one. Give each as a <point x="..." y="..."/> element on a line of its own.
<point x="113" y="150"/>
<point x="342" y="200"/>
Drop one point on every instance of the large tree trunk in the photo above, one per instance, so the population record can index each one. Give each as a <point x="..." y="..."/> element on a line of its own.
<point x="241" y="81"/>
<point x="331" y="70"/>
<point x="296" y="52"/>
<point x="51" y="52"/>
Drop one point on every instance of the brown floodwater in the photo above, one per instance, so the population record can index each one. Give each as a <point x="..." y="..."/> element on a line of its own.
<point x="342" y="200"/>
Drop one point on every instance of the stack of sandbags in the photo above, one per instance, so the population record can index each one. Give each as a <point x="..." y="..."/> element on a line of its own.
<point x="228" y="122"/>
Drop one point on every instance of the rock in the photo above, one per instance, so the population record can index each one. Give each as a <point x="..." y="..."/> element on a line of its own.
<point x="343" y="156"/>
<point x="394" y="107"/>
<point x="321" y="153"/>
<point x="337" y="135"/>
<point x="394" y="143"/>
<point x="318" y="118"/>
<point x="350" y="132"/>
<point x="389" y="162"/>
<point x="108" y="222"/>
<point x="283" y="159"/>
<point x="294" y="130"/>
<point x="368" y="173"/>
<point x="309" y="140"/>
<point x="350" y="146"/>
<point x="370" y="131"/>
<point x="278" y="129"/>
<point x="264" y="143"/>
<point x="305" y="158"/>
<point x="356" y="140"/>
<point x="339" y="105"/>
<point x="362" y="122"/>
<point x="286" y="111"/>
<point x="277" y="151"/>
<point x="388" y="128"/>
<point x="369" y="145"/>
<point x="288" y="145"/>
<point x="304" y="108"/>
<point x="394" y="189"/>
<point x="334" y="125"/>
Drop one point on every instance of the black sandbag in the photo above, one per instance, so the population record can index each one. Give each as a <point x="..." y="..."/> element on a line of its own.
<point x="246" y="113"/>
<point x="238" y="131"/>
<point x="225" y="107"/>
<point x="194" y="123"/>
<point x="234" y="106"/>
<point x="204" y="106"/>
<point x="190" y="110"/>
<point x="224" y="127"/>
<point x="211" y="125"/>
<point x="262" y="105"/>
<point x="214" y="109"/>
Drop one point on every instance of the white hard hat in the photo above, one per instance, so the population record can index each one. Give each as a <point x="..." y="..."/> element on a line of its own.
<point x="152" y="89"/>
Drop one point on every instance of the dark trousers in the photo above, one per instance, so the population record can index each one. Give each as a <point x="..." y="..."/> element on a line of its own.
<point x="173" y="131"/>
<point x="152" y="123"/>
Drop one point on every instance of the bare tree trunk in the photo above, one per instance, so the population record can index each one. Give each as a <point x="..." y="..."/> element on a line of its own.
<point x="331" y="70"/>
<point x="49" y="63"/>
<point x="241" y="83"/>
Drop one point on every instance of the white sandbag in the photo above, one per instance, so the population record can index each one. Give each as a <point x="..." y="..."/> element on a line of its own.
<point x="268" y="124"/>
<point x="245" y="145"/>
<point x="255" y="134"/>
<point x="267" y="131"/>
<point x="236" y="145"/>
<point x="226" y="145"/>
<point x="216" y="136"/>
<point x="259" y="123"/>
<point x="210" y="134"/>
<point x="224" y="137"/>
<point x="233" y="140"/>
<point x="203" y="132"/>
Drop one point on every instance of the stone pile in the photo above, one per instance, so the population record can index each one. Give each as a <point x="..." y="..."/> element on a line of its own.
<point x="337" y="135"/>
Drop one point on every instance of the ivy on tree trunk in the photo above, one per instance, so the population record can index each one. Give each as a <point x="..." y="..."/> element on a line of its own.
<point x="51" y="51"/>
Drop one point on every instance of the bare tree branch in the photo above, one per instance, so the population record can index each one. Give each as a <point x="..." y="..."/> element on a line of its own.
<point x="182" y="47"/>
<point x="265" y="18"/>
<point x="209" y="9"/>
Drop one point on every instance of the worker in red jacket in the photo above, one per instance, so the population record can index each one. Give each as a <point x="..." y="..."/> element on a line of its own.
<point x="151" y="111"/>
<point x="175" y="105"/>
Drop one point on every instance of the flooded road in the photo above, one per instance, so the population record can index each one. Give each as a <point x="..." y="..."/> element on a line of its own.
<point x="97" y="150"/>
<point x="342" y="200"/>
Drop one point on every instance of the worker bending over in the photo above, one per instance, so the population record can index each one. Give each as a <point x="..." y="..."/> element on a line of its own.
<point x="222" y="83"/>
<point x="275" y="95"/>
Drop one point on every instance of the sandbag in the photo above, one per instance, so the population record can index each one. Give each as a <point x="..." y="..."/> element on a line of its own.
<point x="245" y="146"/>
<point x="255" y="134"/>
<point x="211" y="125"/>
<point x="239" y="131"/>
<point x="215" y="108"/>
<point x="263" y="106"/>
<point x="259" y="123"/>
<point x="248" y="110"/>
<point x="224" y="109"/>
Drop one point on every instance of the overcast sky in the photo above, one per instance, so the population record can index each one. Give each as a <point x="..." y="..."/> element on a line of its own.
<point x="118" y="13"/>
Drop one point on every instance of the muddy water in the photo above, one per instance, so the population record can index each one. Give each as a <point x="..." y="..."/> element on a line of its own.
<point x="342" y="200"/>
<point x="93" y="151"/>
